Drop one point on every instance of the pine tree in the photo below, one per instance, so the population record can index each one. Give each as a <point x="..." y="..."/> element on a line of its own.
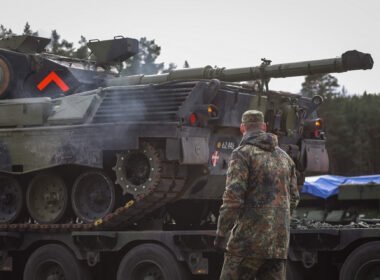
<point x="28" y="30"/>
<point x="352" y="125"/>
<point x="4" y="32"/>
<point x="83" y="51"/>
<point x="324" y="85"/>
<point x="145" y="61"/>
<point x="60" y="47"/>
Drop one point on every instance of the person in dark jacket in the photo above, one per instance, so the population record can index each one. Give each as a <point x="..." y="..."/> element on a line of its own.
<point x="261" y="193"/>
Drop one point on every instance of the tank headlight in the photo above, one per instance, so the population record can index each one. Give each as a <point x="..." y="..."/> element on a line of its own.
<point x="317" y="100"/>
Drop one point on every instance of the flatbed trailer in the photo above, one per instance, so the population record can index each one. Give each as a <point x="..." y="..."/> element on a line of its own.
<point x="109" y="255"/>
<point x="339" y="252"/>
<point x="324" y="253"/>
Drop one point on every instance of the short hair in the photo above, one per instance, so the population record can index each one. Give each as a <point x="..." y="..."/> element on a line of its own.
<point x="252" y="116"/>
<point x="252" y="126"/>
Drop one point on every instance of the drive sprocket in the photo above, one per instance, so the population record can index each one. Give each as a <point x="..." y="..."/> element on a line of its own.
<point x="138" y="172"/>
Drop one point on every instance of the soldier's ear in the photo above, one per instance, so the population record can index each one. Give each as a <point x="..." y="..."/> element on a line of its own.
<point x="242" y="129"/>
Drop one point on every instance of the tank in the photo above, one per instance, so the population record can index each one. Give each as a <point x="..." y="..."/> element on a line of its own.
<point x="354" y="205"/>
<point x="139" y="151"/>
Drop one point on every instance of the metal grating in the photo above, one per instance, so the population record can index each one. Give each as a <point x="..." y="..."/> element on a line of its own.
<point x="145" y="103"/>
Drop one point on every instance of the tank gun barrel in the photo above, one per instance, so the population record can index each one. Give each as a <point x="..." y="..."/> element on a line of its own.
<point x="350" y="60"/>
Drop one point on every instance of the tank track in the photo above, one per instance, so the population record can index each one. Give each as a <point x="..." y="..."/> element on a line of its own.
<point x="171" y="185"/>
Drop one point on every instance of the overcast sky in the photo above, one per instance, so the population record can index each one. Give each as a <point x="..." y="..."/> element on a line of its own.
<point x="233" y="33"/>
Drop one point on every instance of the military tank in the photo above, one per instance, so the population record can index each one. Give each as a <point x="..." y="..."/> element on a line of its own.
<point x="142" y="150"/>
<point x="354" y="205"/>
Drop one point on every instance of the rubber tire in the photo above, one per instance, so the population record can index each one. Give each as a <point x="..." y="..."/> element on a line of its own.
<point x="357" y="258"/>
<point x="73" y="269"/>
<point x="294" y="271"/>
<point x="171" y="268"/>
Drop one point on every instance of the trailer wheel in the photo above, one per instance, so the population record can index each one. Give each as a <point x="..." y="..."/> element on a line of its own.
<point x="54" y="262"/>
<point x="150" y="261"/>
<point x="363" y="263"/>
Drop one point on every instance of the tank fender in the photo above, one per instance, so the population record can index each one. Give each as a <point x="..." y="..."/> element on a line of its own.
<point x="314" y="156"/>
<point x="173" y="149"/>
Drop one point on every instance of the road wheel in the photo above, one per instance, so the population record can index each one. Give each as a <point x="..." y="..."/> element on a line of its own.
<point x="46" y="198"/>
<point x="93" y="196"/>
<point x="54" y="262"/>
<point x="363" y="263"/>
<point x="294" y="271"/>
<point x="11" y="199"/>
<point x="150" y="261"/>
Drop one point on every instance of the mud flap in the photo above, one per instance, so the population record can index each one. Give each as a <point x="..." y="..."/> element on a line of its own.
<point x="314" y="156"/>
<point x="195" y="150"/>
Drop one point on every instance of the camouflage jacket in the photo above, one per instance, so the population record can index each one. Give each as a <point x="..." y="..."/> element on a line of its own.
<point x="261" y="193"/>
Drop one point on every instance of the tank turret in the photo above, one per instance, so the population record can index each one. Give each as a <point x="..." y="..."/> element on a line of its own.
<point x="24" y="64"/>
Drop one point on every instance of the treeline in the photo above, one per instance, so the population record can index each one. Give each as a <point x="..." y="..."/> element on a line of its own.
<point x="352" y="125"/>
<point x="353" y="134"/>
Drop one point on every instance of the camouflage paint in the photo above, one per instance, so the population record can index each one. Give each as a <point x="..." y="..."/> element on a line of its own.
<point x="261" y="193"/>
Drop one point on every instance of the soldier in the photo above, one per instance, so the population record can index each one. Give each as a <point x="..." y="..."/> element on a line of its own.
<point x="261" y="193"/>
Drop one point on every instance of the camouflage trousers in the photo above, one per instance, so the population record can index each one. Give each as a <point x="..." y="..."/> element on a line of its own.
<point x="239" y="268"/>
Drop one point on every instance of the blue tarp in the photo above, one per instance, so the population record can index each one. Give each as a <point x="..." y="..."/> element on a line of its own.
<point x="327" y="185"/>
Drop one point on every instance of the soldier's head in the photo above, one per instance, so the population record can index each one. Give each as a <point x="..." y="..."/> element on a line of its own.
<point x="252" y="120"/>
